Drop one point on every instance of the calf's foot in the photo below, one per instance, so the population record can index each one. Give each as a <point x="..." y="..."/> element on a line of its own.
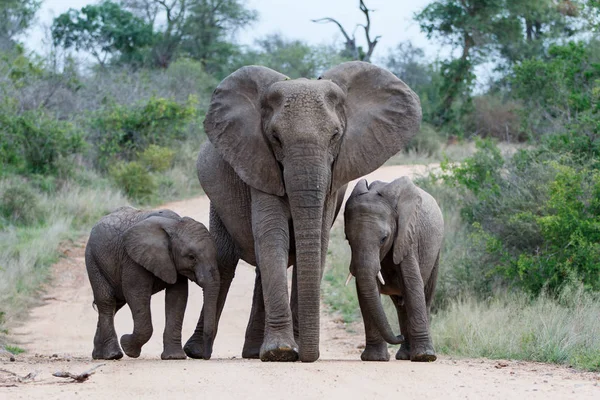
<point x="375" y="352"/>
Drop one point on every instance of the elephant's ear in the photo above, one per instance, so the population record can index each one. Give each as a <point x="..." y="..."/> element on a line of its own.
<point x="234" y="126"/>
<point x="361" y="187"/>
<point x="405" y="196"/>
<point x="147" y="243"/>
<point x="382" y="115"/>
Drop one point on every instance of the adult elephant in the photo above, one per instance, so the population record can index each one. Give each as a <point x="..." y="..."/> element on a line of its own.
<point x="280" y="154"/>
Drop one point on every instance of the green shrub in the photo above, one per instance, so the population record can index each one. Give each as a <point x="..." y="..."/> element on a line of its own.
<point x="157" y="158"/>
<point x="35" y="143"/>
<point x="134" y="179"/>
<point x="536" y="215"/>
<point x="19" y="203"/>
<point x="123" y="131"/>
<point x="427" y="142"/>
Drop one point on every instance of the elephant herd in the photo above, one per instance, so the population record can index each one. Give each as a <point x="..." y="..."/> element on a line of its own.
<point x="279" y="157"/>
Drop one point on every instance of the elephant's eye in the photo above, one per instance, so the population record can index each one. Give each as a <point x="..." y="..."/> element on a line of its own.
<point x="276" y="138"/>
<point x="336" y="135"/>
<point x="191" y="257"/>
<point x="383" y="239"/>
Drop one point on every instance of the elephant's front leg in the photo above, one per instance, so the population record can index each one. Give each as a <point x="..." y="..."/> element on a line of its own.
<point x="137" y="289"/>
<point x="175" y="302"/>
<point x="227" y="260"/>
<point x="375" y="347"/>
<point x="421" y="346"/>
<point x="270" y="228"/>
<point x="255" y="332"/>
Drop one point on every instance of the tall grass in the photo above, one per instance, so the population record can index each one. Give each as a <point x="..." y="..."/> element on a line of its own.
<point x="513" y="326"/>
<point x="28" y="250"/>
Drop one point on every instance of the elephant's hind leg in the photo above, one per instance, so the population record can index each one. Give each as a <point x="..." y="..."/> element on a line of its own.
<point x="403" y="352"/>
<point x="138" y="298"/>
<point x="106" y="345"/>
<point x="255" y="332"/>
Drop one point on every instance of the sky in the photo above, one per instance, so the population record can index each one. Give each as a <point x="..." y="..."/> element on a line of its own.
<point x="392" y="19"/>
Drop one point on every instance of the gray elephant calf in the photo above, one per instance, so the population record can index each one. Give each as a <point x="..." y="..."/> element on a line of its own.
<point x="131" y="255"/>
<point x="395" y="231"/>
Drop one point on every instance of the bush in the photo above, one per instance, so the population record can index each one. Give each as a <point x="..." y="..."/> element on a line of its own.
<point x="19" y="203"/>
<point x="536" y="215"/>
<point x="157" y="158"/>
<point x="427" y="142"/>
<point x="134" y="179"/>
<point x="35" y="143"/>
<point x="122" y="131"/>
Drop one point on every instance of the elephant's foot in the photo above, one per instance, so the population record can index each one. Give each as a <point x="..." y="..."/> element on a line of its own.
<point x="130" y="346"/>
<point x="173" y="353"/>
<point x="278" y="348"/>
<point x="194" y="347"/>
<point x="403" y="352"/>
<point x="251" y="350"/>
<point x="108" y="351"/>
<point x="375" y="352"/>
<point x="423" y="353"/>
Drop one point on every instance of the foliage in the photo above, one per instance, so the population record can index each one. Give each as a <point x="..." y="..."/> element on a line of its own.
<point x="560" y="89"/>
<point x="293" y="58"/>
<point x="536" y="215"/>
<point x="157" y="158"/>
<point x="123" y="131"/>
<point x="15" y="17"/>
<point x="103" y="30"/>
<point x="19" y="203"/>
<point x="134" y="179"/>
<point x="34" y="142"/>
<point x="427" y="142"/>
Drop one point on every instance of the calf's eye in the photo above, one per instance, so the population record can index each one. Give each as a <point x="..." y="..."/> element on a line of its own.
<point x="383" y="239"/>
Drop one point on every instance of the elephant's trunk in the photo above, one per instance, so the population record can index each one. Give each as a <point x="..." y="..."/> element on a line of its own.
<point x="307" y="183"/>
<point x="370" y="300"/>
<point x="210" y="290"/>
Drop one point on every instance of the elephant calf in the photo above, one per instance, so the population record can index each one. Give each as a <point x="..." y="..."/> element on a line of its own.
<point x="395" y="231"/>
<point x="131" y="255"/>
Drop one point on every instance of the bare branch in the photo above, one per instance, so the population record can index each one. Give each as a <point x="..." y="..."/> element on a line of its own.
<point x="84" y="376"/>
<point x="325" y="20"/>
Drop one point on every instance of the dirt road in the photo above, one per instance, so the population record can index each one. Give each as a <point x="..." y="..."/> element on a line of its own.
<point x="58" y="336"/>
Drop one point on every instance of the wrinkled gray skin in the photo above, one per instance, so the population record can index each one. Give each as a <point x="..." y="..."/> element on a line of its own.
<point x="275" y="169"/>
<point x="396" y="228"/>
<point x="131" y="255"/>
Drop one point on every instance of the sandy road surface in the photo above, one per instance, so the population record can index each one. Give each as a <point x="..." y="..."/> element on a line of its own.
<point x="58" y="336"/>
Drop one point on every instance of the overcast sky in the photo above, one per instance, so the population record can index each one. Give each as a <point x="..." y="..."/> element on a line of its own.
<point x="392" y="19"/>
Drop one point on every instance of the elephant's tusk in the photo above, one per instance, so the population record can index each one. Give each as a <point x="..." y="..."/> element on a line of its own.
<point x="348" y="278"/>
<point x="380" y="277"/>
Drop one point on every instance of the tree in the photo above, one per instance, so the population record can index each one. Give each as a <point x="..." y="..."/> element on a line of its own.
<point x="294" y="58"/>
<point x="103" y="30"/>
<point x="15" y="17"/>
<point x="209" y="30"/>
<point x="466" y="25"/>
<point x="535" y="24"/>
<point x="351" y="50"/>
<point x="200" y="29"/>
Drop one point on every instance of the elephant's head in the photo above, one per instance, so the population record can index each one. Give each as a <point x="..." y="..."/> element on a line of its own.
<point x="379" y="219"/>
<point x="306" y="139"/>
<point x="167" y="247"/>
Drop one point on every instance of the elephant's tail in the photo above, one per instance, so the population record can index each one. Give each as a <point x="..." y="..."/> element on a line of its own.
<point x="94" y="305"/>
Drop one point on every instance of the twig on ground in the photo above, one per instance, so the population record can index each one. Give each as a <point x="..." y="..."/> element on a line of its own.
<point x="84" y="376"/>
<point x="21" y="379"/>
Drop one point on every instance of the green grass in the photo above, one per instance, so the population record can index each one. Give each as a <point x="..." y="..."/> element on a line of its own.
<point x="14" y="350"/>
<point x="341" y="299"/>
<point x="512" y="326"/>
